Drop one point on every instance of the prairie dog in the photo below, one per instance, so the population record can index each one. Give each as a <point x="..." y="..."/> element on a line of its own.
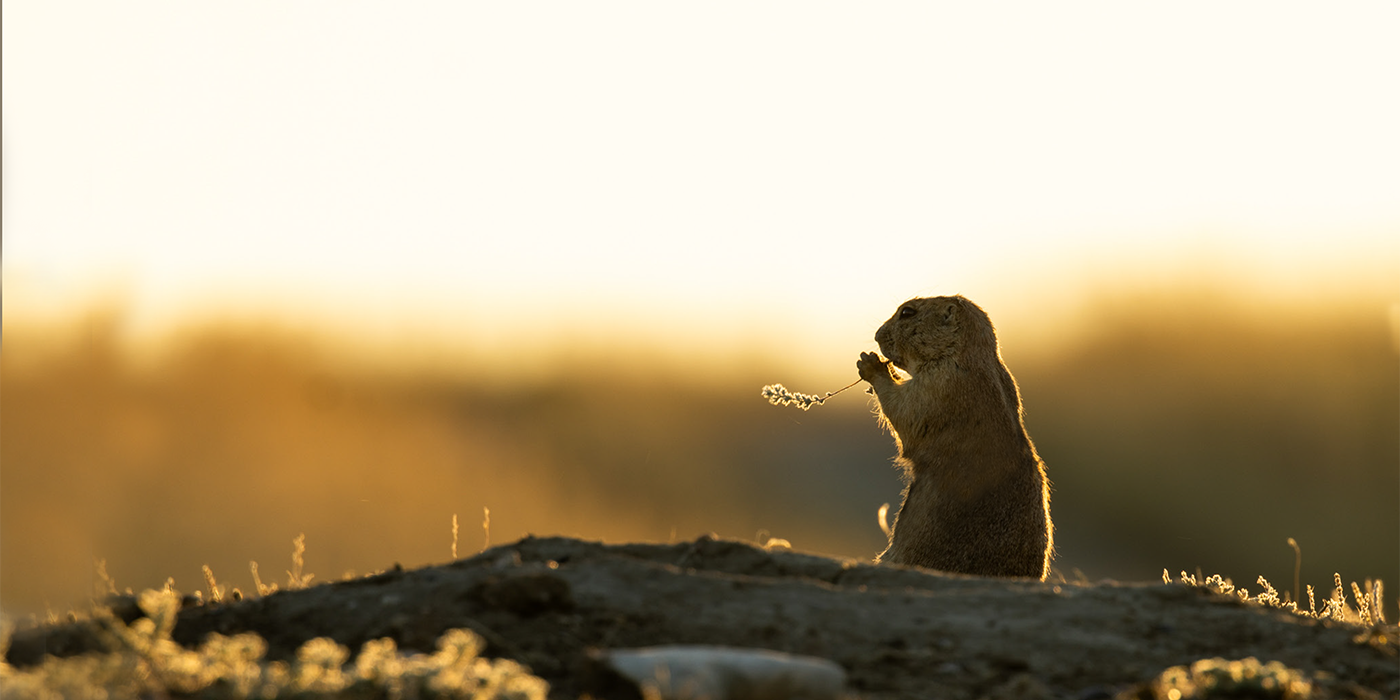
<point x="977" y="500"/>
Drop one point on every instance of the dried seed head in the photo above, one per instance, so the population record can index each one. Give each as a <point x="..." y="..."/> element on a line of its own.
<point x="779" y="395"/>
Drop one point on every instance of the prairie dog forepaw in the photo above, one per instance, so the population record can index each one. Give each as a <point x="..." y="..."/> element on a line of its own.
<point x="872" y="367"/>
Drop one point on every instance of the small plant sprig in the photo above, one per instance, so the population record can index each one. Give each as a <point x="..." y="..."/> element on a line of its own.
<point x="779" y="395"/>
<point x="295" y="578"/>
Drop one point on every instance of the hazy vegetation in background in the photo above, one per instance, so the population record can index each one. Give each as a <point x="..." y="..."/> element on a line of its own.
<point x="1179" y="433"/>
<point x="1205" y="433"/>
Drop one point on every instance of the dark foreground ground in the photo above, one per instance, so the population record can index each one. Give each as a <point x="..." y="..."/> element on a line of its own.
<point x="898" y="633"/>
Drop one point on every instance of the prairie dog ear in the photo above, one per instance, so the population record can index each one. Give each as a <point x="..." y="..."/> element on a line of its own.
<point x="949" y="312"/>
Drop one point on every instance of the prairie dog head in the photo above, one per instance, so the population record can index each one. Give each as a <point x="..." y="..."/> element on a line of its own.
<point x="925" y="330"/>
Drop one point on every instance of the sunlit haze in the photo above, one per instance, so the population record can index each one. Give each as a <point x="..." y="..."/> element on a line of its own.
<point x="722" y="172"/>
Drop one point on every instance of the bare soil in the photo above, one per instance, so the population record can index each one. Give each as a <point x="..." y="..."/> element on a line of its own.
<point x="898" y="632"/>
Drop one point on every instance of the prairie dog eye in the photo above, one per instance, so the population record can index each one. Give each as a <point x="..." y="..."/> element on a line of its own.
<point x="907" y="312"/>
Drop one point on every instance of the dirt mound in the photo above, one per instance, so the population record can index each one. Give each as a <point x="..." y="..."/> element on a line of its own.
<point x="897" y="632"/>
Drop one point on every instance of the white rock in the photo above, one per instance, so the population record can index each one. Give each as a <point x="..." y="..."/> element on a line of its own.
<point x="727" y="673"/>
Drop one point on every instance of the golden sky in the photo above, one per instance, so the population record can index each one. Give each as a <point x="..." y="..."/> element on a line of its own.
<point x="505" y="172"/>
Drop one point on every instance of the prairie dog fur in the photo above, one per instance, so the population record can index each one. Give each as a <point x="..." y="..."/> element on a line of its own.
<point x="977" y="500"/>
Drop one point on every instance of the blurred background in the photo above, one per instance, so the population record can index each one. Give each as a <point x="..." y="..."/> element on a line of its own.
<point x="350" y="270"/>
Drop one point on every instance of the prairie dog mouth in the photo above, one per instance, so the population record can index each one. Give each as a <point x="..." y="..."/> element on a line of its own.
<point x="894" y="358"/>
<point x="888" y="349"/>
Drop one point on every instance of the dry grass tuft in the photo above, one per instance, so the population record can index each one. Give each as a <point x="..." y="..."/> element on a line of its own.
<point x="1365" y="608"/>
<point x="1224" y="678"/>
<point x="145" y="662"/>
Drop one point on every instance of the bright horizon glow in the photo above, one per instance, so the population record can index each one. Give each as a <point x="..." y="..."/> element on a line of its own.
<point x="723" y="171"/>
